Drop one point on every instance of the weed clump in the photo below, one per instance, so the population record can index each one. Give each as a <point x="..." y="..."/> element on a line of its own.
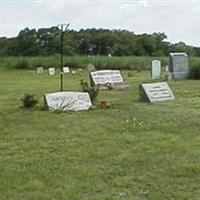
<point x="29" y="101"/>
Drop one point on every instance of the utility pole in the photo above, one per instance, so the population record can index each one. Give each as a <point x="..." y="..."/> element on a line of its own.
<point x="63" y="28"/>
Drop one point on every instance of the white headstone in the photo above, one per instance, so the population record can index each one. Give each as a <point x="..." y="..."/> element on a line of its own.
<point x="156" y="69"/>
<point x="179" y="65"/>
<point x="102" y="77"/>
<point x="72" y="101"/>
<point x="105" y="79"/>
<point x="66" y="70"/>
<point x="40" y="70"/>
<point x="73" y="72"/>
<point x="156" y="92"/>
<point x="52" y="71"/>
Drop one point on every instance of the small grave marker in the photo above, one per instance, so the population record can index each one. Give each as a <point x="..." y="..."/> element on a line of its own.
<point x="73" y="72"/>
<point x="156" y="92"/>
<point x="52" y="71"/>
<point x="179" y="66"/>
<point x="91" y="67"/>
<point x="40" y="70"/>
<point x="66" y="70"/>
<point x="156" y="69"/>
<point x="72" y="101"/>
<point x="105" y="79"/>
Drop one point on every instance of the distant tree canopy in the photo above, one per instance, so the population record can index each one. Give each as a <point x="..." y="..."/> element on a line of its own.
<point x="46" y="41"/>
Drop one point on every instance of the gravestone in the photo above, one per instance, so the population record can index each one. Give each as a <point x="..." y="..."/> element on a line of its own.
<point x="73" y="72"/>
<point x="107" y="79"/>
<point x="156" y="92"/>
<point x="156" y="69"/>
<point x="90" y="67"/>
<point x="40" y="70"/>
<point x="64" y="101"/>
<point x="66" y="70"/>
<point x="52" y="71"/>
<point x="179" y="66"/>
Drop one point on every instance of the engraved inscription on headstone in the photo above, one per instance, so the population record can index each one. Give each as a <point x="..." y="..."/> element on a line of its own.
<point x="156" y="69"/>
<point x="72" y="101"/>
<point x="179" y="66"/>
<point x="105" y="78"/>
<point x="40" y="70"/>
<point x="66" y="70"/>
<point x="52" y="71"/>
<point x="156" y="92"/>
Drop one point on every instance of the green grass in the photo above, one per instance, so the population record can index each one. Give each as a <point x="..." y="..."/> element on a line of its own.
<point x="131" y="151"/>
<point x="101" y="62"/>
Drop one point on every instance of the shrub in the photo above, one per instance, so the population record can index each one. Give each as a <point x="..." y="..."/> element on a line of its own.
<point x="92" y="91"/>
<point x="195" y="71"/>
<point x="29" y="101"/>
<point x="21" y="64"/>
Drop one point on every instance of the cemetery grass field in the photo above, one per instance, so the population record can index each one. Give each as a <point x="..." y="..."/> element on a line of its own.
<point x="132" y="150"/>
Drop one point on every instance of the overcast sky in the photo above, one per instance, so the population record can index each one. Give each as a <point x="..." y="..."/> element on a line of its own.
<point x="179" y="19"/>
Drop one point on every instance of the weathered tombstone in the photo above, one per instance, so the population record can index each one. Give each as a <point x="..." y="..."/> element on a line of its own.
<point x="40" y="70"/>
<point x="179" y="66"/>
<point x="52" y="71"/>
<point x="64" y="101"/>
<point x="166" y="68"/>
<point x="156" y="69"/>
<point x="66" y="70"/>
<point x="156" y="92"/>
<point x="107" y="79"/>
<point x="91" y="67"/>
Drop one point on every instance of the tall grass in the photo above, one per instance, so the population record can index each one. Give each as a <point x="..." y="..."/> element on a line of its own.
<point x="100" y="62"/>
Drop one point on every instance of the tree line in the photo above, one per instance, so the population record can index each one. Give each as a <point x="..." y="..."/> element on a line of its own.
<point x="46" y="41"/>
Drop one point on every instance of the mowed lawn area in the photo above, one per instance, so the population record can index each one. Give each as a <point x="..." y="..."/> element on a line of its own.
<point x="133" y="150"/>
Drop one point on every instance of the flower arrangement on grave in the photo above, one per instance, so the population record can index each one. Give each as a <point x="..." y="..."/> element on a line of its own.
<point x="104" y="104"/>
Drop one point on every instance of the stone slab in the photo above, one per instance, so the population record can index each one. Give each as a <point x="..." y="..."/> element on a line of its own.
<point x="66" y="70"/>
<point x="156" y="92"/>
<point x="72" y="101"/>
<point x="179" y="65"/>
<point x="156" y="69"/>
<point x="52" y="71"/>
<point x="106" y="77"/>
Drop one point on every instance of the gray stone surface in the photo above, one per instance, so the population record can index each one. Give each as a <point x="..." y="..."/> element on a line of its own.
<point x="63" y="101"/>
<point x="156" y="92"/>
<point x="179" y="66"/>
<point x="91" y="67"/>
<point x="156" y="69"/>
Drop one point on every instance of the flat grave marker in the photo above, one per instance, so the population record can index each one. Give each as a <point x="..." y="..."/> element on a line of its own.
<point x="64" y="101"/>
<point x="52" y="71"/>
<point x="156" y="69"/>
<point x="156" y="92"/>
<point x="66" y="70"/>
<point x="179" y="65"/>
<point x="40" y="70"/>
<point x="107" y="78"/>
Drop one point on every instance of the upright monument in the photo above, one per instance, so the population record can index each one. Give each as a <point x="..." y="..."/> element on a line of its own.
<point x="179" y="66"/>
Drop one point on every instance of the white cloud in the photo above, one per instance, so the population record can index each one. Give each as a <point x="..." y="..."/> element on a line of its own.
<point x="179" y="19"/>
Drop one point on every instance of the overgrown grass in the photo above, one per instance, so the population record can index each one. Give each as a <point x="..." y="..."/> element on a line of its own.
<point x="130" y="151"/>
<point x="100" y="62"/>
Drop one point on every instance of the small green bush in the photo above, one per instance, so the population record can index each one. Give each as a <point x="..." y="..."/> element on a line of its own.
<point x="21" y="64"/>
<point x="29" y="101"/>
<point x="195" y="71"/>
<point x="92" y="91"/>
